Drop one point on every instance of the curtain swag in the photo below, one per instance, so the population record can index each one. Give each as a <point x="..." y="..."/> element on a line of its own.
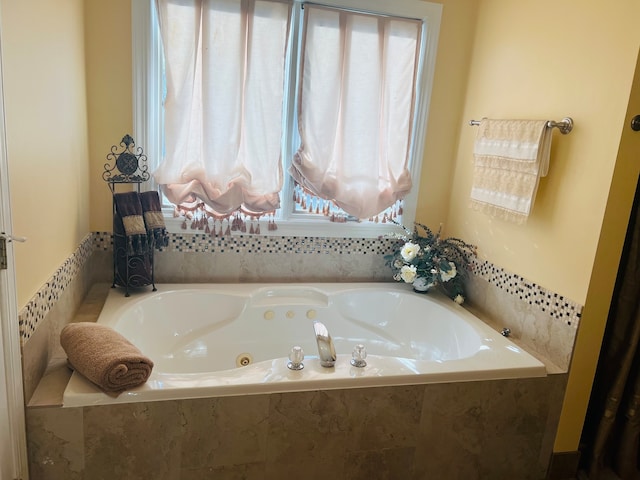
<point x="224" y="66"/>
<point x="355" y="108"/>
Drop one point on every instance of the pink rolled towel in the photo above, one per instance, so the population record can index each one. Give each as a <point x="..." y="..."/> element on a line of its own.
<point x="104" y="356"/>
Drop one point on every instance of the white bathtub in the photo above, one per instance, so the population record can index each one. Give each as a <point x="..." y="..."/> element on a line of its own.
<point x="197" y="334"/>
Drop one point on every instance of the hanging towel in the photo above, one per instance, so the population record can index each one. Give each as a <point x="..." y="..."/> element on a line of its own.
<point x="153" y="219"/>
<point x="510" y="156"/>
<point x="129" y="209"/>
<point x="104" y="356"/>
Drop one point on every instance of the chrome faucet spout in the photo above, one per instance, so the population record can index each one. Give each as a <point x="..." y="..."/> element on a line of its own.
<point x="326" y="349"/>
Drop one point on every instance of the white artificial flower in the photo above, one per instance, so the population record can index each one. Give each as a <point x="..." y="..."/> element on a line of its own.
<point x="409" y="251"/>
<point x="459" y="299"/>
<point x="408" y="273"/>
<point x="398" y="263"/>
<point x="446" y="276"/>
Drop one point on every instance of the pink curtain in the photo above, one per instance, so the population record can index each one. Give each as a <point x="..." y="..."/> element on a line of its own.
<point x="355" y="110"/>
<point x="223" y="109"/>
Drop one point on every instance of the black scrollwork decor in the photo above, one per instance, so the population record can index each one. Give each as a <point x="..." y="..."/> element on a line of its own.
<point x="127" y="164"/>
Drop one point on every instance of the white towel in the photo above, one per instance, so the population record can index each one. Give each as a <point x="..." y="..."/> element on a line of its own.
<point x="510" y="156"/>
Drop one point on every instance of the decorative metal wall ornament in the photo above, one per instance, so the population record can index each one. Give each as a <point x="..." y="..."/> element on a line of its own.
<point x="126" y="166"/>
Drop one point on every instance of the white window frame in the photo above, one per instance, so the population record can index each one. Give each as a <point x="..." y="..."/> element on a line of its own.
<point x="147" y="106"/>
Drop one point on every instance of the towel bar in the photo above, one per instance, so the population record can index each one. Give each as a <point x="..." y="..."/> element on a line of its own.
<point x="565" y="125"/>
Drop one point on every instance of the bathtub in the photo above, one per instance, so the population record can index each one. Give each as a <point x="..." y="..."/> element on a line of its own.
<point x="209" y="340"/>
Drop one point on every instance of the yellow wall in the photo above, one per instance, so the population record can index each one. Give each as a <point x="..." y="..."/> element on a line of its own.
<point x="603" y="277"/>
<point x="45" y="101"/>
<point x="548" y="59"/>
<point x="457" y="30"/>
<point x="109" y="81"/>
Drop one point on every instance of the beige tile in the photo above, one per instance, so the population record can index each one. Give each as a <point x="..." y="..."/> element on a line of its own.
<point x="535" y="330"/>
<point x="224" y="431"/>
<point x="35" y="357"/>
<point x="484" y="430"/>
<point x="253" y="471"/>
<point x="55" y="443"/>
<point x="324" y="428"/>
<point x="133" y="441"/>
<point x="308" y="466"/>
<point x="385" y="464"/>
<point x="51" y="387"/>
<point x="383" y="417"/>
<point x="308" y="426"/>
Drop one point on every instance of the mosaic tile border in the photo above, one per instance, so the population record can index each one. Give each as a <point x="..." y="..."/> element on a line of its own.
<point x="555" y="305"/>
<point x="44" y="300"/>
<point x="202" y="243"/>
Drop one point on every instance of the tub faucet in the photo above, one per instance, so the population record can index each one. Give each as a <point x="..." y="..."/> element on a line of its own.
<point x="326" y="350"/>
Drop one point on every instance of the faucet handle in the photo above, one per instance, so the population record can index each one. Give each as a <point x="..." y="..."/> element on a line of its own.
<point x="295" y="358"/>
<point x="358" y="356"/>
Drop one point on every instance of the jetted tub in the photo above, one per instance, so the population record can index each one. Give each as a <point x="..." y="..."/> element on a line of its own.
<point x="210" y="340"/>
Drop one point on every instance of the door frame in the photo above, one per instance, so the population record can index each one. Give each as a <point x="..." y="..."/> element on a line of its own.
<point x="10" y="351"/>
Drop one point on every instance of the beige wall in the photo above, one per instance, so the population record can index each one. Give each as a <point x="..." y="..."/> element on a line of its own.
<point x="445" y="120"/>
<point x="548" y="59"/>
<point x="45" y="101"/>
<point x="109" y="81"/>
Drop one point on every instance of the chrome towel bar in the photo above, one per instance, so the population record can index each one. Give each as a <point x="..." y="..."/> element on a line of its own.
<point x="565" y="125"/>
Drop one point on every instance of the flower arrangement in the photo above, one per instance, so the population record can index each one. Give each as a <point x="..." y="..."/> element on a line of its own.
<point x="426" y="260"/>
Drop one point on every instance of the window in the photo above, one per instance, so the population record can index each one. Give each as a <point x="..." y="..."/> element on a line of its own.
<point x="296" y="41"/>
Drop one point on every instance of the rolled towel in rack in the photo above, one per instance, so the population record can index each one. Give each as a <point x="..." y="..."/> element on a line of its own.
<point x="129" y="209"/>
<point x="510" y="156"/>
<point x="153" y="219"/>
<point x="104" y="356"/>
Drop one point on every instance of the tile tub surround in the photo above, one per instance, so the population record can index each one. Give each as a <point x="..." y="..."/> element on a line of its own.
<point x="64" y="296"/>
<point x="539" y="322"/>
<point x="480" y="429"/>
<point x="470" y="430"/>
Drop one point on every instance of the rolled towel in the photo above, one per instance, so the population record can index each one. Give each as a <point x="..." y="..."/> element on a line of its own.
<point x="104" y="356"/>
<point x="129" y="209"/>
<point x="153" y="219"/>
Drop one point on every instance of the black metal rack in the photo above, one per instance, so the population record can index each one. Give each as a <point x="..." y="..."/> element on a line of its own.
<point x="126" y="167"/>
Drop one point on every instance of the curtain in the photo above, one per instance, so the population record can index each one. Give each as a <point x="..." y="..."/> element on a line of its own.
<point x="224" y="63"/>
<point x="355" y="108"/>
<point x="610" y="439"/>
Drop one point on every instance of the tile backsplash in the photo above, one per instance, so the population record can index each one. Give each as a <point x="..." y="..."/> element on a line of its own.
<point x="277" y="258"/>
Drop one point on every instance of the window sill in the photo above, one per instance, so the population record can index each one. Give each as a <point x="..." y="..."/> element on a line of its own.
<point x="299" y="228"/>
